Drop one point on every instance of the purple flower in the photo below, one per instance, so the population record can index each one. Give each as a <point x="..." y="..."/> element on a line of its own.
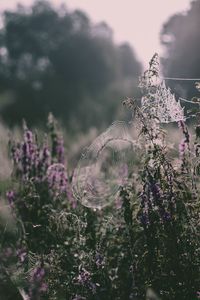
<point x="167" y="216"/>
<point x="156" y="191"/>
<point x="44" y="287"/>
<point x="38" y="273"/>
<point x="15" y="153"/>
<point x="57" y="179"/>
<point x="60" y="150"/>
<point x="11" y="197"/>
<point x="45" y="156"/>
<point x="181" y="125"/>
<point x="84" y="276"/>
<point x="99" y="260"/>
<point x="185" y="132"/>
<point x="58" y="182"/>
<point x="28" y="136"/>
<point x="182" y="148"/>
<point x="22" y="254"/>
<point x="84" y="279"/>
<point x="37" y="284"/>
<point x="29" y="155"/>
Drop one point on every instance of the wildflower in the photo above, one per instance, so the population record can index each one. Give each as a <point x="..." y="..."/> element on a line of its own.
<point x="29" y="156"/>
<point x="28" y="136"/>
<point x="60" y="150"/>
<point x="22" y="254"/>
<point x="11" y="197"/>
<point x="37" y="284"/>
<point x="185" y="131"/>
<point x="15" y="153"/>
<point x="159" y="103"/>
<point x="156" y="191"/>
<point x="150" y="77"/>
<point x="84" y="276"/>
<point x="182" y="148"/>
<point x="45" y="156"/>
<point x="57" y="179"/>
<point x="99" y="260"/>
<point x="166" y="216"/>
<point x="43" y="163"/>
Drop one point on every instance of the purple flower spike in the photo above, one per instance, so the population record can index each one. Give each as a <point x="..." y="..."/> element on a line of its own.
<point x="37" y="284"/>
<point x="11" y="197"/>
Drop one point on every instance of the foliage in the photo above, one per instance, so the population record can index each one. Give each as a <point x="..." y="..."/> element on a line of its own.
<point x="57" y="60"/>
<point x="149" y="238"/>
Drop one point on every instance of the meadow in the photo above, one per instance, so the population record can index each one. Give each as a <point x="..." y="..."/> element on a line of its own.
<point x="116" y="220"/>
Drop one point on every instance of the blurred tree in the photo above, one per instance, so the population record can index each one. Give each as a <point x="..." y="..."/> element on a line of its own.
<point x="128" y="61"/>
<point x="56" y="60"/>
<point x="180" y="36"/>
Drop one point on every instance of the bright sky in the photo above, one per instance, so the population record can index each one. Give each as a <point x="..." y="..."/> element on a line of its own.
<point x="136" y="21"/>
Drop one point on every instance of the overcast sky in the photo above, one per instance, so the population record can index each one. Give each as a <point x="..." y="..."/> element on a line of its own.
<point x="136" y="21"/>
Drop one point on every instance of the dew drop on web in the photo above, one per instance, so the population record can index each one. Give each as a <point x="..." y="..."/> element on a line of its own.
<point x="104" y="167"/>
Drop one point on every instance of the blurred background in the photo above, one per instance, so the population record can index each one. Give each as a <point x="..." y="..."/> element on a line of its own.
<point x="80" y="58"/>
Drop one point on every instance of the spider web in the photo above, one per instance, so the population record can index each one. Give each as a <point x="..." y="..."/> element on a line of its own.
<point x="104" y="167"/>
<point x="162" y="105"/>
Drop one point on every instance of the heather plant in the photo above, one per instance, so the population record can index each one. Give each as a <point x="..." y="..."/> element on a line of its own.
<point x="144" y="244"/>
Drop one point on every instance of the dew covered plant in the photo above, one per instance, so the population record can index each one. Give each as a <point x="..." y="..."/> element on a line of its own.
<point x="78" y="237"/>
